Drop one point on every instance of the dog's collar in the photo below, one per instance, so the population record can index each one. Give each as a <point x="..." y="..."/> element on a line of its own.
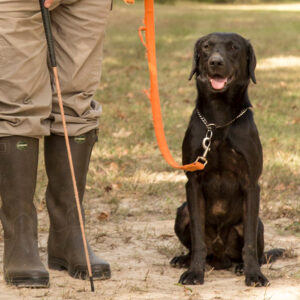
<point x="211" y="126"/>
<point x="206" y="142"/>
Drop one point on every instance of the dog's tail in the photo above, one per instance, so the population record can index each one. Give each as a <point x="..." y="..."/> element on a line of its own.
<point x="272" y="255"/>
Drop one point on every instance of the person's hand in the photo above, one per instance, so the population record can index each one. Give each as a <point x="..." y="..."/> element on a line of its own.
<point x="48" y="3"/>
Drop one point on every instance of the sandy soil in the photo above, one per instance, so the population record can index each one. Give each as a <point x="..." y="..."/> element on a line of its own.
<point x="139" y="251"/>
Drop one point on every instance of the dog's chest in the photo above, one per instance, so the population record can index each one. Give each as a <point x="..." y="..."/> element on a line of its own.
<point x="224" y="157"/>
<point x="223" y="180"/>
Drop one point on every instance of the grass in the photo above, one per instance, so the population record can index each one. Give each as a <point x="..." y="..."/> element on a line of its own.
<point x="126" y="163"/>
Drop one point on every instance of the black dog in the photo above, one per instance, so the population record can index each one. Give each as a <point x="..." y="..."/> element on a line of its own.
<point x="219" y="223"/>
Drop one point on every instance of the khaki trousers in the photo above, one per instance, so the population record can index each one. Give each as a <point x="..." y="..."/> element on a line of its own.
<point x="28" y="100"/>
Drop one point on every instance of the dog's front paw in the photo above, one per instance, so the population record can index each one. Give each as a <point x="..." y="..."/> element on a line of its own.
<point x="256" y="279"/>
<point x="182" y="261"/>
<point x="192" y="277"/>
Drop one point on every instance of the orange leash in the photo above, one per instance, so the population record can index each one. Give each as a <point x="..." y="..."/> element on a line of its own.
<point x="153" y="95"/>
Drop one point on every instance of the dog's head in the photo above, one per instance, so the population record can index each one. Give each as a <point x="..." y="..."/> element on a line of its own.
<point x="221" y="59"/>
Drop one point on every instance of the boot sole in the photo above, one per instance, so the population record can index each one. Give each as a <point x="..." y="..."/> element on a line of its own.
<point x="28" y="282"/>
<point x="79" y="272"/>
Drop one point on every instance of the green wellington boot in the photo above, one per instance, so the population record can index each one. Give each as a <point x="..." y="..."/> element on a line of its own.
<point x="65" y="246"/>
<point x="18" y="170"/>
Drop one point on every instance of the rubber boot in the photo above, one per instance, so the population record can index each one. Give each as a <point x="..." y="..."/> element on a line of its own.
<point x="18" y="170"/>
<point x="65" y="245"/>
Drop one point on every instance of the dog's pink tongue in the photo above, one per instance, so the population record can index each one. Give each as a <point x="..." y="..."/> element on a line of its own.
<point x="218" y="83"/>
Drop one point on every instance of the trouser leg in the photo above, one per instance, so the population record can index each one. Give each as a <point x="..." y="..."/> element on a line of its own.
<point x="78" y="31"/>
<point x="25" y="93"/>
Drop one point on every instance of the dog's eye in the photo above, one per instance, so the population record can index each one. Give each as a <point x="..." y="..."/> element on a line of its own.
<point x="234" y="47"/>
<point x="205" y="46"/>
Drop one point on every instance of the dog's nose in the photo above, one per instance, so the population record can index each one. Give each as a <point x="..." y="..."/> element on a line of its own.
<point x="216" y="61"/>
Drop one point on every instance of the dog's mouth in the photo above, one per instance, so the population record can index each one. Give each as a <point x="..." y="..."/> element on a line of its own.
<point x="219" y="83"/>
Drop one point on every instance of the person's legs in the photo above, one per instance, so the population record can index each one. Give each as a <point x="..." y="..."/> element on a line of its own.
<point x="78" y="29"/>
<point x="25" y="105"/>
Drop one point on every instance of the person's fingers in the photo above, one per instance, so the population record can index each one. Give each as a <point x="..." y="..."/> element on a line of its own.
<point x="48" y="3"/>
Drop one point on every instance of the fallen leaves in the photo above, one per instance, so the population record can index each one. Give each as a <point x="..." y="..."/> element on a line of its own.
<point x="280" y="187"/>
<point x="113" y="167"/>
<point x="122" y="133"/>
<point x="295" y="121"/>
<point x="282" y="84"/>
<point x="108" y="188"/>
<point x="103" y="216"/>
<point x="166" y="236"/>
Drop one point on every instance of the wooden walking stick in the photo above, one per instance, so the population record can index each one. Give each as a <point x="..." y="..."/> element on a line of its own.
<point x="51" y="52"/>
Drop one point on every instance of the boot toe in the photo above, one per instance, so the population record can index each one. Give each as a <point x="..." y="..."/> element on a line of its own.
<point x="28" y="278"/>
<point x="100" y="267"/>
<point x="100" y="270"/>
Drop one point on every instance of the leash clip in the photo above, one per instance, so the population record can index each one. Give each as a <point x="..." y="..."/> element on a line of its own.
<point x="206" y="145"/>
<point x="206" y="142"/>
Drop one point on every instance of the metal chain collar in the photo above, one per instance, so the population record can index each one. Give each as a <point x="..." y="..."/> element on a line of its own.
<point x="211" y="126"/>
<point x="206" y="142"/>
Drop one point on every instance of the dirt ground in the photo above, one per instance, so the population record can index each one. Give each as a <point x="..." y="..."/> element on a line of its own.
<point x="139" y="250"/>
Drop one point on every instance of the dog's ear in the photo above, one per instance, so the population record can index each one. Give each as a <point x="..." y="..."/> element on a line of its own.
<point x="251" y="62"/>
<point x="195" y="61"/>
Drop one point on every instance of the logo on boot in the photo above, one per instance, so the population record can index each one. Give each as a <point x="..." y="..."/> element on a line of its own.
<point x="80" y="139"/>
<point x="21" y="145"/>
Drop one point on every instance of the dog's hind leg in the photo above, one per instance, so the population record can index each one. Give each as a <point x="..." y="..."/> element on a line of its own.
<point x="182" y="230"/>
<point x="182" y="225"/>
<point x="272" y="255"/>
<point x="181" y="261"/>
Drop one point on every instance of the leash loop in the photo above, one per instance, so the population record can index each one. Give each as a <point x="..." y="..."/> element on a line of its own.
<point x="140" y="31"/>
<point x="129" y="1"/>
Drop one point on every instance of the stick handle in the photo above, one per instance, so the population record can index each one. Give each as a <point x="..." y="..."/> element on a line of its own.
<point x="48" y="33"/>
